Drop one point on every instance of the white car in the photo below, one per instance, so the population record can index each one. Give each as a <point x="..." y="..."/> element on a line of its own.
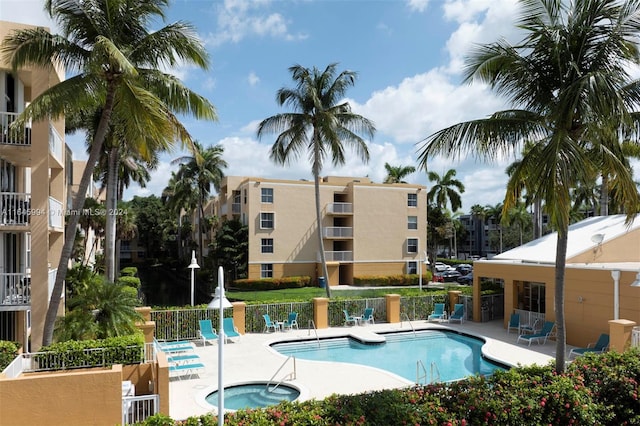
<point x="441" y="267"/>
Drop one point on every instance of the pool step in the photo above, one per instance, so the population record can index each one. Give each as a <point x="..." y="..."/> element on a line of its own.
<point x="365" y="336"/>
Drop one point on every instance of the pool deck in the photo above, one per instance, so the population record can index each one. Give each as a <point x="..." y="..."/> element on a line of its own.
<point x="251" y="359"/>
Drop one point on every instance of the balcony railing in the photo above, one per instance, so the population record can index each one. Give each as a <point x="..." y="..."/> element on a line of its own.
<point x="9" y="136"/>
<point x="236" y="208"/>
<point x="51" y="282"/>
<point x="15" y="289"/>
<point x="15" y="208"/>
<point x="338" y="256"/>
<point x="635" y="337"/>
<point x="56" y="213"/>
<point x="340" y="208"/>
<point x="338" y="232"/>
<point x="56" y="143"/>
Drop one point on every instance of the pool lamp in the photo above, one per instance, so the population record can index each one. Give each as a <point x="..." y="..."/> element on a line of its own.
<point x="220" y="302"/>
<point x="193" y="266"/>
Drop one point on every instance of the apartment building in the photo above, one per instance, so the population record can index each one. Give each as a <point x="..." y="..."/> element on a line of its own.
<point x="368" y="228"/>
<point x="33" y="189"/>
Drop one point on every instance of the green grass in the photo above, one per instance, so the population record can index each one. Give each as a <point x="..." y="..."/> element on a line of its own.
<point x="307" y="293"/>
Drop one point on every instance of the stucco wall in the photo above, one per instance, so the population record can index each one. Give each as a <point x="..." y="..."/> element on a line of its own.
<point x="589" y="296"/>
<point x="88" y="397"/>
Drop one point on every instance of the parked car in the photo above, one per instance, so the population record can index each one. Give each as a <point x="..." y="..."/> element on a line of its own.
<point x="440" y="267"/>
<point x="437" y="277"/>
<point x="450" y="275"/>
<point x="464" y="268"/>
<point x="466" y="279"/>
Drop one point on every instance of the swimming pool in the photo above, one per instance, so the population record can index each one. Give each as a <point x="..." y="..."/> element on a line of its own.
<point x="254" y="395"/>
<point x="445" y="356"/>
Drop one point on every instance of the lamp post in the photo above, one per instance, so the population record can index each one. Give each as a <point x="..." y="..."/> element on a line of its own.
<point x="220" y="302"/>
<point x="193" y="266"/>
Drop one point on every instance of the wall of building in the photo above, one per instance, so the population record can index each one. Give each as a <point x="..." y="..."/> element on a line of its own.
<point x="88" y="397"/>
<point x="589" y="296"/>
<point x="625" y="248"/>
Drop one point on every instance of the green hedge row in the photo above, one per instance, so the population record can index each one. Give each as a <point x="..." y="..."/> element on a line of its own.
<point x="390" y="281"/>
<point x="271" y="283"/>
<point x="8" y="352"/>
<point x="82" y="353"/>
<point x="595" y="390"/>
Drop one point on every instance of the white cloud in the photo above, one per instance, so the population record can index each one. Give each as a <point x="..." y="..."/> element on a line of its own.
<point x="418" y="5"/>
<point x="29" y="12"/>
<point x="238" y="19"/>
<point x="253" y="79"/>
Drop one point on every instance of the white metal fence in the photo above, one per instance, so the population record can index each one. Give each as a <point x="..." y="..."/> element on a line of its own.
<point x="635" y="337"/>
<point x="136" y="409"/>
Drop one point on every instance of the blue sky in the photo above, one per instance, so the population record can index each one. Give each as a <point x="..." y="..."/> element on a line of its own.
<point x="408" y="54"/>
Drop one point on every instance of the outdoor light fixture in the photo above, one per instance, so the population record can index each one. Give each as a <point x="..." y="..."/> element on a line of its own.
<point x="220" y="302"/>
<point x="636" y="283"/>
<point x="193" y="266"/>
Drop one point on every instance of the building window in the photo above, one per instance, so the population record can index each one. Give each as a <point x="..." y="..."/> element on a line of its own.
<point x="266" y="195"/>
<point x="412" y="222"/>
<point x="412" y="267"/>
<point x="266" y="270"/>
<point x="412" y="200"/>
<point x="267" y="245"/>
<point x="266" y="220"/>
<point x="244" y="195"/>
<point x="412" y="245"/>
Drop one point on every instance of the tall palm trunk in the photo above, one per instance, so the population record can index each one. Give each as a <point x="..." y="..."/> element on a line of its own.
<point x="561" y="257"/>
<point x="316" y="182"/>
<point x="604" y="196"/>
<point x="200" y="227"/>
<point x="112" y="203"/>
<point x="74" y="218"/>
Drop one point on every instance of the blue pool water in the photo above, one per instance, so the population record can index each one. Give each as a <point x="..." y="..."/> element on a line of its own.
<point x="446" y="356"/>
<point x="253" y="395"/>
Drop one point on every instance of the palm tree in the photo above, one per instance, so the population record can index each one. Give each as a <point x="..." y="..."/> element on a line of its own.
<point x="566" y="81"/>
<point x="396" y="174"/>
<point x="200" y="171"/>
<point x="179" y="196"/>
<point x="519" y="216"/>
<point x="447" y="189"/>
<point x="115" y="59"/>
<point x="321" y="124"/>
<point x="495" y="214"/>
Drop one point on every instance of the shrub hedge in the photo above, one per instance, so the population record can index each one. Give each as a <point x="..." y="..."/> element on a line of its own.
<point x="78" y="353"/>
<point x="8" y="352"/>
<point x="390" y="280"/>
<point x="596" y="389"/>
<point x="271" y="283"/>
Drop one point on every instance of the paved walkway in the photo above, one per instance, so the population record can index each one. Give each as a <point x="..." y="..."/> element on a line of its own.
<point x="251" y="359"/>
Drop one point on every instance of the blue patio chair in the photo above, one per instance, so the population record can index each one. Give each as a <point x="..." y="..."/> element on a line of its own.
<point x="368" y="316"/>
<point x="438" y="312"/>
<point x="173" y="347"/>
<point x="514" y="323"/>
<point x="230" y="330"/>
<point x="458" y="313"/>
<point x="269" y="325"/>
<point x="206" y="332"/>
<point x="548" y="330"/>
<point x="598" y="347"/>
<point x="349" y="319"/>
<point x="292" y="321"/>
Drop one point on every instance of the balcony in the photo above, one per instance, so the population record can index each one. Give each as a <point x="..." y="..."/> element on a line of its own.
<point x="338" y="256"/>
<point x="236" y="208"/>
<point x="56" y="144"/>
<point x="338" y="232"/>
<point x="15" y="208"/>
<point x="15" y="290"/>
<point x="340" y="208"/>
<point x="56" y="214"/>
<point x="15" y="137"/>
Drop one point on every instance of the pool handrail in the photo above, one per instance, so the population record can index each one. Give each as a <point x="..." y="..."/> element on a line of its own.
<point x="315" y="330"/>
<point x="409" y="321"/>
<point x="292" y="376"/>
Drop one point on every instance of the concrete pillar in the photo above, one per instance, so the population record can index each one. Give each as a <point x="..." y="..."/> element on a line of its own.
<point x="454" y="297"/>
<point x="239" y="316"/>
<point x="148" y="329"/>
<point x="321" y="312"/>
<point x="393" y="307"/>
<point x="145" y="311"/>
<point x="620" y="334"/>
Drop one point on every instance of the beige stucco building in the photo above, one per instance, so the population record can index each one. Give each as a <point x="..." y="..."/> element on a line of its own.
<point x="32" y="199"/>
<point x="368" y="228"/>
<point x="603" y="259"/>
